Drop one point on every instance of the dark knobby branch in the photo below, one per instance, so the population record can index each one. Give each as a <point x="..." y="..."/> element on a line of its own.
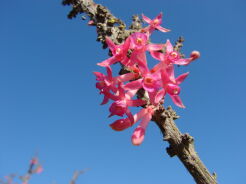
<point x="181" y="145"/>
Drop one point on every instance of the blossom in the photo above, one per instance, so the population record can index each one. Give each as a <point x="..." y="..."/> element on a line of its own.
<point x="173" y="57"/>
<point x="154" y="24"/>
<point x="123" y="101"/>
<point x="172" y="87"/>
<point x="139" y="44"/>
<point x="119" y="52"/>
<point x="139" y="132"/>
<point x="107" y="83"/>
<point x="141" y="85"/>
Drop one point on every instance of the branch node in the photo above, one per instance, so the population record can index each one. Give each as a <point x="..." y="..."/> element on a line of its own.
<point x="187" y="139"/>
<point x="171" y="151"/>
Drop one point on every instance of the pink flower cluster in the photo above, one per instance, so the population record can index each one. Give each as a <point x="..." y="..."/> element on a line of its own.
<point x="157" y="81"/>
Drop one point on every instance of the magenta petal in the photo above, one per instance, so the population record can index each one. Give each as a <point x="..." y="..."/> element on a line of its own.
<point x="155" y="47"/>
<point x="121" y="90"/>
<point x="169" y="47"/>
<point x="159" y="96"/>
<point x="145" y="121"/>
<point x="135" y="103"/>
<point x="125" y="61"/>
<point x="164" y="77"/>
<point x="170" y="72"/>
<point x="146" y="19"/>
<point x="121" y="124"/>
<point x="126" y="44"/>
<point x="105" y="100"/>
<point x="99" y="76"/>
<point x="149" y="88"/>
<point x="181" y="78"/>
<point x="109" y="72"/>
<point x="140" y="115"/>
<point x="111" y="96"/>
<point x="162" y="29"/>
<point x="159" y="17"/>
<point x="130" y="116"/>
<point x="137" y="84"/>
<point x="126" y="77"/>
<point x="157" y="67"/>
<point x="138" y="136"/>
<point x="108" y="62"/>
<point x="139" y="132"/>
<point x="177" y="101"/>
<point x="158" y="55"/>
<point x="182" y="61"/>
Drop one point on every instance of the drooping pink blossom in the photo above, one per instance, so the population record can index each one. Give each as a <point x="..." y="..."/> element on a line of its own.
<point x="139" y="132"/>
<point x="123" y="124"/>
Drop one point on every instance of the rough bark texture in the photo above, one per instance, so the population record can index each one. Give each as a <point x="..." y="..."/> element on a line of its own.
<point x="181" y="145"/>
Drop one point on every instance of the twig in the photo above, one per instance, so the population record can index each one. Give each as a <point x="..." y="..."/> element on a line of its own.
<point x="181" y="145"/>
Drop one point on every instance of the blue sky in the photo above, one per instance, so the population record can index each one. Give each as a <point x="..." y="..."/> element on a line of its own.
<point x="49" y="104"/>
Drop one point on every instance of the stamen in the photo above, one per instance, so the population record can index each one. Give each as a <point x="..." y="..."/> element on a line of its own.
<point x="139" y="40"/>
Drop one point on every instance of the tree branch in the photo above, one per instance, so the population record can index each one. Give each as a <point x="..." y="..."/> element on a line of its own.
<point x="181" y="145"/>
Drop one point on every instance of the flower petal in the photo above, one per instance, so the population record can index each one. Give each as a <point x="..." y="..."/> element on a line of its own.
<point x="183" y="61"/>
<point x="155" y="47"/>
<point x="146" y="19"/>
<point x="181" y="78"/>
<point x="105" y="100"/>
<point x="159" y="96"/>
<point x="169" y="47"/>
<point x="126" y="77"/>
<point x="137" y="84"/>
<point x="108" y="62"/>
<point x="177" y="101"/>
<point x="121" y="124"/>
<point x="162" y="29"/>
<point x="138" y="136"/>
<point x="136" y="103"/>
<point x="158" y="55"/>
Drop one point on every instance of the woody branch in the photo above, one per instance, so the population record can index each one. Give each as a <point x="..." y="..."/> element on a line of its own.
<point x="180" y="145"/>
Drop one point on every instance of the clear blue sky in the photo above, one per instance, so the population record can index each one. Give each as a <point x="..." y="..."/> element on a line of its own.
<point x="49" y="105"/>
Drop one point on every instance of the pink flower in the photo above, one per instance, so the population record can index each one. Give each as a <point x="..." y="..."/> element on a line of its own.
<point x="154" y="24"/>
<point x="173" y="57"/>
<point x="172" y="87"/>
<point x="150" y="82"/>
<point x="119" y="53"/>
<point x="139" y="132"/>
<point x="107" y="83"/>
<point x="139" y="44"/>
<point x="39" y="169"/>
<point x="123" y="101"/>
<point x="118" y="108"/>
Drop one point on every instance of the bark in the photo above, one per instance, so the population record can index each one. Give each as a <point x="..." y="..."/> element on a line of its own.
<point x="180" y="145"/>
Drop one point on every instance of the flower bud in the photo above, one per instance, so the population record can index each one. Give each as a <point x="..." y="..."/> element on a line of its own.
<point x="195" y="55"/>
<point x="121" y="124"/>
<point x="138" y="136"/>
